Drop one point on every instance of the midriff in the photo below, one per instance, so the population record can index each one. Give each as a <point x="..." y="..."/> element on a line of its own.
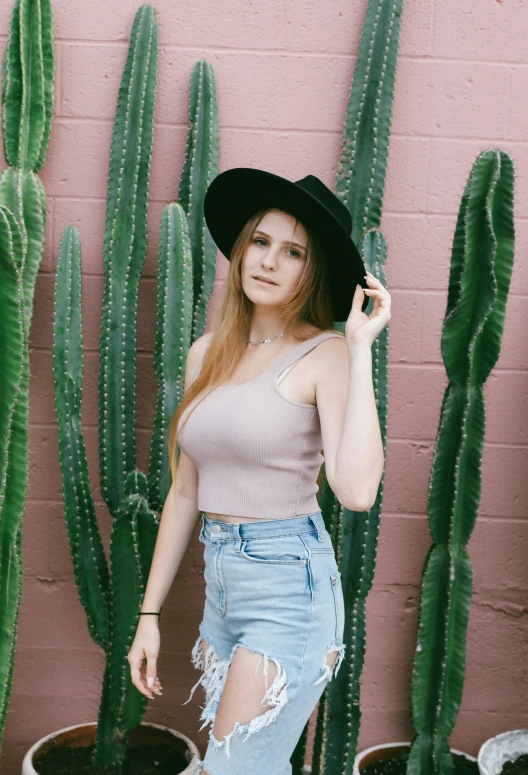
<point x="230" y="518"/>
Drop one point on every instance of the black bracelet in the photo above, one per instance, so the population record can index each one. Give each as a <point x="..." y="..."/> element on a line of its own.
<point x="151" y="613"/>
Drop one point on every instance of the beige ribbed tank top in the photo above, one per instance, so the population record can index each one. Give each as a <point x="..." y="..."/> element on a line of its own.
<point x="257" y="453"/>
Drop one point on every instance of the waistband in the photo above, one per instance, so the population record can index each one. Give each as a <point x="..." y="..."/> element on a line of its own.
<point x="308" y="523"/>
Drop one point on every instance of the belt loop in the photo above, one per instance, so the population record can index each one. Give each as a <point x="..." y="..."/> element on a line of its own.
<point x="236" y="533"/>
<point x="318" y="521"/>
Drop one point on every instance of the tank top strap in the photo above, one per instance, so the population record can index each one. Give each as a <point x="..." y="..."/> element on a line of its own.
<point x="296" y="352"/>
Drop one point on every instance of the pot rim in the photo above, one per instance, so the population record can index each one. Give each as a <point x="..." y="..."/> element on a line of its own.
<point x="407" y="743"/>
<point x="497" y="739"/>
<point x="28" y="758"/>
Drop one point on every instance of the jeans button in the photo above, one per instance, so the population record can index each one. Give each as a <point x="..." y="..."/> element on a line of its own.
<point x="216" y="528"/>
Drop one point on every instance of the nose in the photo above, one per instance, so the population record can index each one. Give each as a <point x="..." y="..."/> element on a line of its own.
<point x="270" y="259"/>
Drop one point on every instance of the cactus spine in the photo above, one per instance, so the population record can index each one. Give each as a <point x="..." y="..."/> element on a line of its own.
<point x="112" y="596"/>
<point x="360" y="184"/>
<point x="27" y="112"/>
<point x="481" y="267"/>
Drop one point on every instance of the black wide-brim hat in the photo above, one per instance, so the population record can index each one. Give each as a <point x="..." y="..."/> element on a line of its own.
<point x="238" y="193"/>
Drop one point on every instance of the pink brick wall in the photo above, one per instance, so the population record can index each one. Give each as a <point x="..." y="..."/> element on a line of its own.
<point x="283" y="72"/>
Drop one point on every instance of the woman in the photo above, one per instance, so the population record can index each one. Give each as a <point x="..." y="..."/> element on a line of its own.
<point x="276" y="385"/>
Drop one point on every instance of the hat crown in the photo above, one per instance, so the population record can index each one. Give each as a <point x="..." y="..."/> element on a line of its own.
<point x="314" y="186"/>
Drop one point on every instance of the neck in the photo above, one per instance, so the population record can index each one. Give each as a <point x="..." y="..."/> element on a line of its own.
<point x="265" y="324"/>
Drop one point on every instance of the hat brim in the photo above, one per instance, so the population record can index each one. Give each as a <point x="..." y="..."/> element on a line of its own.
<point x="236" y="194"/>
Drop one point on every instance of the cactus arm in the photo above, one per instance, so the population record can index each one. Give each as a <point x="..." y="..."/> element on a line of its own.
<point x="27" y="93"/>
<point x="124" y="253"/>
<point x="11" y="331"/>
<point x="25" y="196"/>
<point x="12" y="89"/>
<point x="14" y="386"/>
<point x="89" y="562"/>
<point x="33" y="115"/>
<point x="173" y="332"/>
<point x="200" y="167"/>
<point x="482" y="259"/>
<point x="48" y="67"/>
<point x="363" y="158"/>
<point x="34" y="211"/>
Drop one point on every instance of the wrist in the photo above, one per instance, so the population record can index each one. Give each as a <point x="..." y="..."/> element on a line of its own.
<point x="148" y="621"/>
<point x="149" y="611"/>
<point x="359" y="349"/>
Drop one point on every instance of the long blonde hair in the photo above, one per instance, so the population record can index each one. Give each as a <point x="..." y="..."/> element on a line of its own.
<point x="311" y="303"/>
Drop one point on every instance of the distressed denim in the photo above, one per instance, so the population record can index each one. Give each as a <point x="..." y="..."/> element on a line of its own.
<point x="274" y="587"/>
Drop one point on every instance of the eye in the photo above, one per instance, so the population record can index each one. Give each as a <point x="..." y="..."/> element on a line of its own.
<point x="261" y="239"/>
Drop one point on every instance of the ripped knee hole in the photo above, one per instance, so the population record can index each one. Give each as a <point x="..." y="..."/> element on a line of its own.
<point x="226" y="681"/>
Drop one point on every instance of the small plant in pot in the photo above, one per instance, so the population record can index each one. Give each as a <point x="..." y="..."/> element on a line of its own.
<point x="112" y="593"/>
<point x="481" y="266"/>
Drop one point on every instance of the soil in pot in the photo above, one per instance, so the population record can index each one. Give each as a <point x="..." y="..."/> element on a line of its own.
<point x="518" y="767"/>
<point x="398" y="766"/>
<point x="139" y="760"/>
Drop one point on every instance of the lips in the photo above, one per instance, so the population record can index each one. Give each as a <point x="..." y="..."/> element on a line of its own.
<point x="264" y="280"/>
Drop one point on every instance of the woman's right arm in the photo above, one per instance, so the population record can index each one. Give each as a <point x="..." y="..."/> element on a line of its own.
<point x="178" y="521"/>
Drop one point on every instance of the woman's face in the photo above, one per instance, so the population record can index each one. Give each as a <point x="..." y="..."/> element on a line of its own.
<point x="272" y="253"/>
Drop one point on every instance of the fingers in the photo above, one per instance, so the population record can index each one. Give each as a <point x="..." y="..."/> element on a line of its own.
<point x="145" y="682"/>
<point x="374" y="280"/>
<point x="151" y="672"/>
<point x="380" y="293"/>
<point x="357" y="298"/>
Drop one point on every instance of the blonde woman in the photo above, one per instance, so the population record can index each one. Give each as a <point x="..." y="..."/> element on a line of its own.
<point x="266" y="392"/>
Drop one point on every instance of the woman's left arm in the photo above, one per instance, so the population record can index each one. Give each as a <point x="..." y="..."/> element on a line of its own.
<point x="359" y="458"/>
<point x="354" y="458"/>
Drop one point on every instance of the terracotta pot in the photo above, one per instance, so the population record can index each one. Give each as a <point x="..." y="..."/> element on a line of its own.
<point x="498" y="750"/>
<point x="84" y="735"/>
<point x="380" y="753"/>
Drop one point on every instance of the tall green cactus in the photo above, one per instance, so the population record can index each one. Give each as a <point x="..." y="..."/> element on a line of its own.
<point x="201" y="166"/>
<point x="13" y="445"/>
<point x="112" y="596"/>
<point x="184" y="290"/>
<point x="27" y="112"/>
<point x="360" y="184"/>
<point x="481" y="267"/>
<point x="124" y="251"/>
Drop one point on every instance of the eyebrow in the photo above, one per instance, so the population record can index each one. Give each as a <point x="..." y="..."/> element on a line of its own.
<point x="286" y="242"/>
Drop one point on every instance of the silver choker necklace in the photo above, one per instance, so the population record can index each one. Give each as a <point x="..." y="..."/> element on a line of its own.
<point x="265" y="340"/>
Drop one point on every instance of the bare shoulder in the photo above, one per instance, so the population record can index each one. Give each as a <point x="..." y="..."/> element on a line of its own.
<point x="200" y="345"/>
<point x="330" y="358"/>
<point x="194" y="356"/>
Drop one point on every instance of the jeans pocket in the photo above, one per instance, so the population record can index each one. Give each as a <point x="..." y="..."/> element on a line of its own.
<point x="339" y="605"/>
<point x="281" y="550"/>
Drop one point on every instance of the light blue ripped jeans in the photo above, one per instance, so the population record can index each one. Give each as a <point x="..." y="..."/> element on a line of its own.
<point x="274" y="587"/>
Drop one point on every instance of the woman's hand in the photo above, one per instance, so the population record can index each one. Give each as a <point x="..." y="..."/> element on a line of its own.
<point x="145" y="647"/>
<point x="360" y="328"/>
